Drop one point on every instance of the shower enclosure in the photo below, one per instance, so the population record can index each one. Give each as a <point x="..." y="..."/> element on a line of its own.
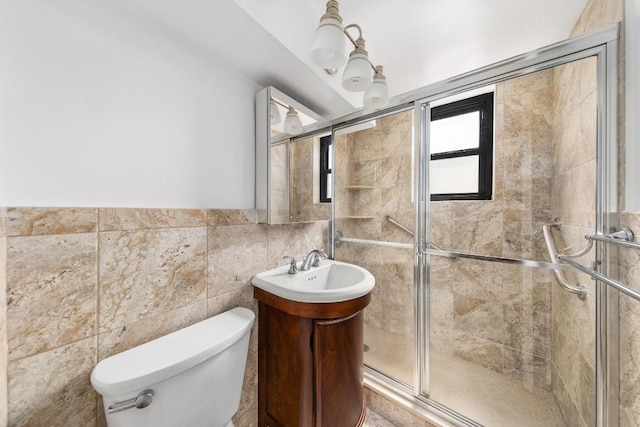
<point x="443" y="198"/>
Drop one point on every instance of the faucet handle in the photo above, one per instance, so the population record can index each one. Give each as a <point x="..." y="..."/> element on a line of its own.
<point x="293" y="266"/>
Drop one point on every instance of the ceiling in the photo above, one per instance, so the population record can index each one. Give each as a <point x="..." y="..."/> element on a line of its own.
<point x="418" y="42"/>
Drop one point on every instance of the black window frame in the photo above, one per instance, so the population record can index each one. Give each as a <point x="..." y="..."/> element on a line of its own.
<point x="325" y="170"/>
<point x="484" y="105"/>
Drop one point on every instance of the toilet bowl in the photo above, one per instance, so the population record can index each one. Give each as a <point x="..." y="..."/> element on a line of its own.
<point x="191" y="377"/>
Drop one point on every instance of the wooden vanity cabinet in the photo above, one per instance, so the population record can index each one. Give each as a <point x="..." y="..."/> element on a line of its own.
<point x="310" y="362"/>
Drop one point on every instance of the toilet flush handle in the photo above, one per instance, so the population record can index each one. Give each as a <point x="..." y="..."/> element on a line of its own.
<point x="142" y="400"/>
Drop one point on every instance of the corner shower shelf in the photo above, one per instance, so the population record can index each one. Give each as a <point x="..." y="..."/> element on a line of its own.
<point x="360" y="187"/>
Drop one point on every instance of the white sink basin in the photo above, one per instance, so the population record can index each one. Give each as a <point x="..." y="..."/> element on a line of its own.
<point x="332" y="281"/>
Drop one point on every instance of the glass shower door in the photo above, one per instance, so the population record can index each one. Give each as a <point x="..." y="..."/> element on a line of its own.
<point x="507" y="345"/>
<point x="374" y="212"/>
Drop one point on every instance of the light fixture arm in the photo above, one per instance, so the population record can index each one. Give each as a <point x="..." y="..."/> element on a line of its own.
<point x="359" y="42"/>
<point x="280" y="103"/>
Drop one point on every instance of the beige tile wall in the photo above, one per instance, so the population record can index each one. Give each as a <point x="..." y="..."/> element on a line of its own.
<point x="630" y="329"/>
<point x="573" y="201"/>
<point x="84" y="284"/>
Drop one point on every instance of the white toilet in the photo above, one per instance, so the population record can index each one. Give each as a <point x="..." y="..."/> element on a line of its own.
<point x="191" y="377"/>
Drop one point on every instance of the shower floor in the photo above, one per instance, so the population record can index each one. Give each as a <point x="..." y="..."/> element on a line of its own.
<point x="485" y="396"/>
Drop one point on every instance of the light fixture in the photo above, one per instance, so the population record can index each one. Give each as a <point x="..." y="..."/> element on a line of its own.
<point x="378" y="94"/>
<point x="357" y="74"/>
<point x="275" y="113"/>
<point x="292" y="122"/>
<point x="329" y="46"/>
<point x="328" y="52"/>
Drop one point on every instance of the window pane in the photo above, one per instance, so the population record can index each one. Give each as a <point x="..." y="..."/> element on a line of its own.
<point x="330" y="157"/>
<point x="456" y="175"/>
<point x="455" y="133"/>
<point x="329" y="185"/>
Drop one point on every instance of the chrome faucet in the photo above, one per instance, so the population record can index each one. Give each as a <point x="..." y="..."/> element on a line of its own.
<point x="313" y="259"/>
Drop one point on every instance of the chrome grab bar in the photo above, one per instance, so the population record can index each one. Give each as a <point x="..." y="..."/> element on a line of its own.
<point x="393" y="221"/>
<point x="578" y="289"/>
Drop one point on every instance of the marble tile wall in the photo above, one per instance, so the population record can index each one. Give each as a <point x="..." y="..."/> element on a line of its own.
<point x="497" y="315"/>
<point x="84" y="284"/>
<point x="373" y="179"/>
<point x="630" y="329"/>
<point x="573" y="202"/>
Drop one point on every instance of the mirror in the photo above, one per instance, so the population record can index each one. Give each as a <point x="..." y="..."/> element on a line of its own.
<point x="309" y="179"/>
<point x="278" y="118"/>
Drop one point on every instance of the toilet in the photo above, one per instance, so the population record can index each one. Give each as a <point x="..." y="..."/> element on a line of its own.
<point x="192" y="377"/>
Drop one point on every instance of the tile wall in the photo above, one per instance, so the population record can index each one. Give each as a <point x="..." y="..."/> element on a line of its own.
<point x="630" y="329"/>
<point x="84" y="284"/>
<point x="494" y="315"/>
<point x="573" y="202"/>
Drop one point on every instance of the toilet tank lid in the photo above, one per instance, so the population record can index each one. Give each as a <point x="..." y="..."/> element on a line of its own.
<point x="171" y="354"/>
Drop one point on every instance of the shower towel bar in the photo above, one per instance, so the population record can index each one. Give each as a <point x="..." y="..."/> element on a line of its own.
<point x="339" y="239"/>
<point x="599" y="276"/>
<point x="579" y="290"/>
<point x="623" y="238"/>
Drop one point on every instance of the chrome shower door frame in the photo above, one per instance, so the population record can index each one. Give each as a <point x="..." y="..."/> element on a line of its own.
<point x="602" y="44"/>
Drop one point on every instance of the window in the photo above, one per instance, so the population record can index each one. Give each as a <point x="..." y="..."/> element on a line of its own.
<point x="461" y="139"/>
<point x="325" y="169"/>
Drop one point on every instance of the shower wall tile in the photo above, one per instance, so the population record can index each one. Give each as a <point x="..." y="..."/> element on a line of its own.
<point x="630" y="328"/>
<point x="47" y="221"/>
<point x="143" y="273"/>
<point x="235" y="254"/>
<point x="480" y="227"/>
<point x="478" y="280"/>
<point x="52" y="388"/>
<point x="482" y="319"/>
<point x="134" y="334"/>
<point x="116" y="219"/>
<point x="51" y="292"/>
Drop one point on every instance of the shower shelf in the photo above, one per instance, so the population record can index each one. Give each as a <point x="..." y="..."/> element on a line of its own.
<point x="360" y="187"/>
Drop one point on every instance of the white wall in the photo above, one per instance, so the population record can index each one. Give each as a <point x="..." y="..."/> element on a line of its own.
<point x="632" y="108"/>
<point x="97" y="108"/>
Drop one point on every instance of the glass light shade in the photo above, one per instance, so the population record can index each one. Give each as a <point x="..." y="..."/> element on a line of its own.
<point x="275" y="113"/>
<point x="377" y="96"/>
<point x="329" y="45"/>
<point x="292" y="123"/>
<point x="357" y="76"/>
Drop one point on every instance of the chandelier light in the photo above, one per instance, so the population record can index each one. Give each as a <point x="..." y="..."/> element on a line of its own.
<point x="328" y="52"/>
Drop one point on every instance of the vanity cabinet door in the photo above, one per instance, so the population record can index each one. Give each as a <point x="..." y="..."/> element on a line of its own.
<point x="338" y="360"/>
<point x="285" y="371"/>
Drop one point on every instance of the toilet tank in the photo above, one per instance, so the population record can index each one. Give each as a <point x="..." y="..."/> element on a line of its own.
<point x="195" y="373"/>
